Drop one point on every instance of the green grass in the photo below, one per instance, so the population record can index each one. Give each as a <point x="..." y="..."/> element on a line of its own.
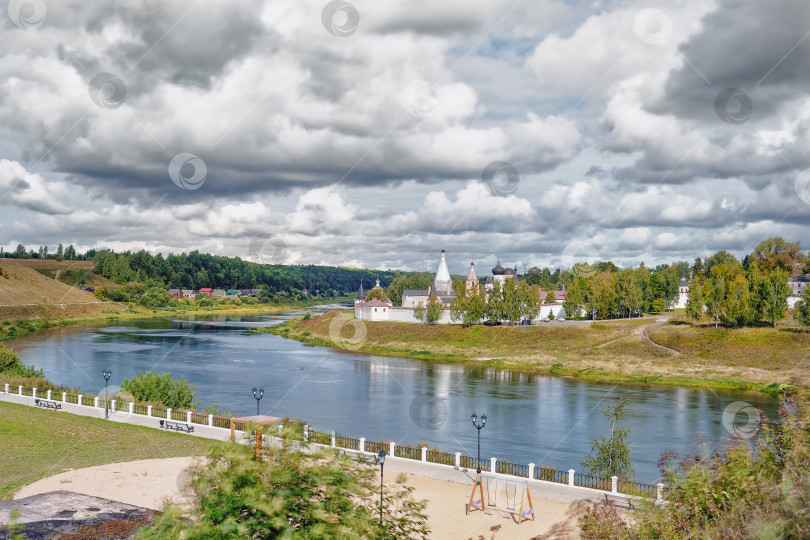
<point x="763" y="359"/>
<point x="36" y="443"/>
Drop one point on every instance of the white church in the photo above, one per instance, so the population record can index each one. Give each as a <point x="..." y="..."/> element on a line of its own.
<point x="442" y="287"/>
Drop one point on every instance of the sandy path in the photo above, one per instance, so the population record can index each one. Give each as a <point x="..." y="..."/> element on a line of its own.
<point x="149" y="483"/>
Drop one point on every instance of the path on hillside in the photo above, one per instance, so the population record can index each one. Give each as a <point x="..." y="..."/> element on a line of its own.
<point x="644" y="333"/>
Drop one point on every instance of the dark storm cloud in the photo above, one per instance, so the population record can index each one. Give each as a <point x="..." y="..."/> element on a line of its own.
<point x="759" y="48"/>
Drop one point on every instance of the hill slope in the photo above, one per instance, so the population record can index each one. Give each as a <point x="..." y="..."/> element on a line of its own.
<point x="69" y="272"/>
<point x="21" y="285"/>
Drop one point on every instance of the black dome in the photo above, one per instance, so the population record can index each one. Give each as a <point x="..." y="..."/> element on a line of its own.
<point x="498" y="270"/>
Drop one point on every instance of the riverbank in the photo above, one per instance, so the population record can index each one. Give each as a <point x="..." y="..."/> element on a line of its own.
<point x="19" y="323"/>
<point x="620" y="351"/>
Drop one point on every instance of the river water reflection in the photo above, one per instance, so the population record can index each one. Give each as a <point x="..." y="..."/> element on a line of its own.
<point x="530" y="418"/>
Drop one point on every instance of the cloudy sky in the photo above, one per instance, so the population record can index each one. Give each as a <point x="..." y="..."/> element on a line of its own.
<point x="375" y="134"/>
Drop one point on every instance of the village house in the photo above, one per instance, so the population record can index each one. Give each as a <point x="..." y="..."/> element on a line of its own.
<point x="797" y="286"/>
<point x="188" y="293"/>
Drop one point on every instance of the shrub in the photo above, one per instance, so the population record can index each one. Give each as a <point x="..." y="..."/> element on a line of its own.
<point x="294" y="495"/>
<point x="162" y="388"/>
<point x="10" y="364"/>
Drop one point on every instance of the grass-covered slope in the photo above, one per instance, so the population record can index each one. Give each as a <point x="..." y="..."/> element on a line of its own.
<point x="37" y="443"/>
<point x="610" y="351"/>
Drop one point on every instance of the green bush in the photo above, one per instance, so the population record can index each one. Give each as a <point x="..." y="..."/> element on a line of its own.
<point x="10" y="364"/>
<point x="162" y="388"/>
<point x="294" y="495"/>
<point x="746" y="489"/>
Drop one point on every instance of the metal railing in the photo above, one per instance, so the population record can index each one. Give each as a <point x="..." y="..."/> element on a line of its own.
<point x="408" y="452"/>
<point x="375" y="447"/>
<point x="468" y="462"/>
<point x="514" y="469"/>
<point x="550" y="474"/>
<point x="636" y="488"/>
<point x="319" y="437"/>
<point x="347" y="442"/>
<point x="444" y="458"/>
<point x="593" y="482"/>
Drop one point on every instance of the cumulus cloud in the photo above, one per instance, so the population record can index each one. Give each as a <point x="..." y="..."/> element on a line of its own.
<point x="369" y="149"/>
<point x="30" y="191"/>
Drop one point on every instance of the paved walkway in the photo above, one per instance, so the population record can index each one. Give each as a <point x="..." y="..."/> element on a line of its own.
<point x="549" y="490"/>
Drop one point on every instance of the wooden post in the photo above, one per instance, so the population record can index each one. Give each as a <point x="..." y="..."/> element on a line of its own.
<point x="480" y="501"/>
<point x="530" y="510"/>
<point x="233" y="432"/>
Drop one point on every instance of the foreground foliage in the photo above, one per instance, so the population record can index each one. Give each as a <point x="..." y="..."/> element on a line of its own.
<point x="743" y="490"/>
<point x="295" y="494"/>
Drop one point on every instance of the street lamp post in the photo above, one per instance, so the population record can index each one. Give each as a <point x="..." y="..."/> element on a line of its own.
<point x="478" y="427"/>
<point x="258" y="394"/>
<point x="107" y="373"/>
<point x="381" y="461"/>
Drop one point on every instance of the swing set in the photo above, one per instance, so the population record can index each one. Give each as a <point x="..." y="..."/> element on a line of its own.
<point x="501" y="495"/>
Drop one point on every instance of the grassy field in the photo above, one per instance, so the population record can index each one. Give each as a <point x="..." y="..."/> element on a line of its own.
<point x="632" y="351"/>
<point x="69" y="272"/>
<point x="21" y="285"/>
<point x="36" y="443"/>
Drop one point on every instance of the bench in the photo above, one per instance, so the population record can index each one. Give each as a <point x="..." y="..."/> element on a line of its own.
<point x="177" y="426"/>
<point x="48" y="404"/>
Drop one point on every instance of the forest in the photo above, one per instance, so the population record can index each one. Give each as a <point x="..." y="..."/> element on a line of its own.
<point x="196" y="270"/>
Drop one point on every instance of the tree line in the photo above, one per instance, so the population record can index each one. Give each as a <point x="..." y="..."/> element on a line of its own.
<point x="196" y="270"/>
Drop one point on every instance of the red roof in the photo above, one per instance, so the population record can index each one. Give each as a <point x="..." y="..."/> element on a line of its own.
<point x="376" y="303"/>
<point x="206" y="289"/>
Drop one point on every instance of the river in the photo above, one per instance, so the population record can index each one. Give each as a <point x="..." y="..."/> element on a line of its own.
<point x="530" y="418"/>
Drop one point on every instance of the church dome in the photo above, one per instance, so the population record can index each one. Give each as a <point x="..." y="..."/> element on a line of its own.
<point x="498" y="270"/>
<point x="510" y="272"/>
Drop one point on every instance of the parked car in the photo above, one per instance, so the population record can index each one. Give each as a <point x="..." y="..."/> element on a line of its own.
<point x="545" y="319"/>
